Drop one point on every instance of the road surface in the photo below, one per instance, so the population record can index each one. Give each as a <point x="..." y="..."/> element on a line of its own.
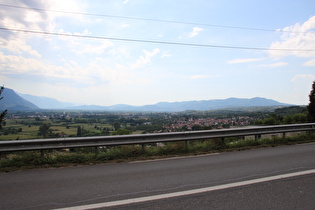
<point x="218" y="181"/>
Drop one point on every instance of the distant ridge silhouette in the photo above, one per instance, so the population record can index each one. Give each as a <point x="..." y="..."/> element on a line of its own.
<point x="13" y="101"/>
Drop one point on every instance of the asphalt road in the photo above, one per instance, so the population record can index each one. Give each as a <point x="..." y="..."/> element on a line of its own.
<point x="84" y="185"/>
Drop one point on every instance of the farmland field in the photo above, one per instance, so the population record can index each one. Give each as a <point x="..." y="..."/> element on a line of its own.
<point x="23" y="129"/>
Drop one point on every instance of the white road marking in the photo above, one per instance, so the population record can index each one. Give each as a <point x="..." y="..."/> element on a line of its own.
<point x="174" y="158"/>
<point x="188" y="192"/>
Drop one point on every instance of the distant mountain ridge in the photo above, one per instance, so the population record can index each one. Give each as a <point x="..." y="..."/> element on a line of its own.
<point x="46" y="102"/>
<point x="13" y="101"/>
<point x="189" y="105"/>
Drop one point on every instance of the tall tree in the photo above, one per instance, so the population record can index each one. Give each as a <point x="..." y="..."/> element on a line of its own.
<point x="44" y="130"/>
<point x="116" y="125"/>
<point x="311" y="105"/>
<point x="2" y="115"/>
<point x="79" y="131"/>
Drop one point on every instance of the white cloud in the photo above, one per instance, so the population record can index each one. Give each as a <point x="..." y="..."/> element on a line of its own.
<point x="85" y="32"/>
<point x="274" y="65"/>
<point x="18" y="65"/>
<point x="68" y="5"/>
<point x="97" y="48"/>
<point x="310" y="63"/>
<point x="144" y="60"/>
<point x="204" y="76"/>
<point x="122" y="52"/>
<point x="72" y="73"/>
<point x="304" y="77"/>
<point x="30" y="67"/>
<point x="18" y="45"/>
<point x="166" y="54"/>
<point x="23" y="19"/>
<point x="195" y="32"/>
<point x="125" y="2"/>
<point x="125" y="25"/>
<point x="245" y="60"/>
<point x="199" y="76"/>
<point x="38" y="20"/>
<point x="83" y="46"/>
<point x="300" y="37"/>
<point x="119" y="52"/>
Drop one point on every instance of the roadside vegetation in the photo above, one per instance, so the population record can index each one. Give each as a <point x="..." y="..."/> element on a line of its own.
<point x="60" y="158"/>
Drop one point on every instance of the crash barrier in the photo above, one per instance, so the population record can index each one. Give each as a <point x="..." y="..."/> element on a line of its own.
<point x="142" y="139"/>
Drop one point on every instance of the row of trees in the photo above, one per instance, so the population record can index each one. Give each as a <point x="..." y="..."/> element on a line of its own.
<point x="275" y="119"/>
<point x="305" y="116"/>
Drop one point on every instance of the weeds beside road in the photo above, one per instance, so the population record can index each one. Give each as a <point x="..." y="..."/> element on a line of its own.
<point x="61" y="158"/>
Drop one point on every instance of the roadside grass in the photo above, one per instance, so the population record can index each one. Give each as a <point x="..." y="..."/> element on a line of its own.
<point x="83" y="156"/>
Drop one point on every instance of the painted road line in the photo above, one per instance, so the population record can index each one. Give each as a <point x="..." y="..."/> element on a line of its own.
<point x="188" y="192"/>
<point x="174" y="158"/>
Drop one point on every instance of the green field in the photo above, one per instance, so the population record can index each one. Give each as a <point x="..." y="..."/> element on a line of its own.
<point x="29" y="128"/>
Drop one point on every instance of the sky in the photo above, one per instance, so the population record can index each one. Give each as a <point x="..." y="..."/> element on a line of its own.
<point x="141" y="52"/>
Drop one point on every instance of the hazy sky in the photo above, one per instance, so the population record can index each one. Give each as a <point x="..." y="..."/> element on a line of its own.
<point x="142" y="52"/>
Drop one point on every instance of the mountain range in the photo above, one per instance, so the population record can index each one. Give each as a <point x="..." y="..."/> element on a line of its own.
<point x="14" y="101"/>
<point x="46" y="102"/>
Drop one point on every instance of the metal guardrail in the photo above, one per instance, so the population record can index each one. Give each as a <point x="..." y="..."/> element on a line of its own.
<point x="80" y="142"/>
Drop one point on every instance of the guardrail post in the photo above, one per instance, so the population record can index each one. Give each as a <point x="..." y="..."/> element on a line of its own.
<point x="283" y="135"/>
<point x="186" y="144"/>
<point x="143" y="147"/>
<point x="95" y="151"/>
<point x="257" y="137"/>
<point x="42" y="153"/>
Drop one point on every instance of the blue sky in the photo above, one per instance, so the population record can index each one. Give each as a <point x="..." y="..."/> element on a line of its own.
<point x="104" y="71"/>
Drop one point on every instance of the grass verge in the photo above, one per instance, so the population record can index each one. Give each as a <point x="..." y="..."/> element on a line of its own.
<point x="57" y="158"/>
